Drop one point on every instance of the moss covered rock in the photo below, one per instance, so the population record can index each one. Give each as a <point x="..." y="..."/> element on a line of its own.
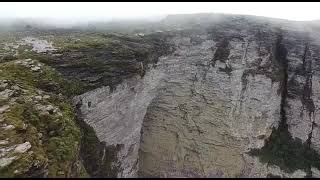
<point x="40" y="118"/>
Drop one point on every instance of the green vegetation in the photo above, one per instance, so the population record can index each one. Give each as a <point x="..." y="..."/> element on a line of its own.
<point x="55" y="139"/>
<point x="286" y="152"/>
<point x="51" y="80"/>
<point x="48" y="80"/>
<point x="79" y="41"/>
<point x="99" y="59"/>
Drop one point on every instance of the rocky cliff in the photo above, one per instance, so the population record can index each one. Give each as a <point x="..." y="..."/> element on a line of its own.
<point x="237" y="98"/>
<point x="204" y="96"/>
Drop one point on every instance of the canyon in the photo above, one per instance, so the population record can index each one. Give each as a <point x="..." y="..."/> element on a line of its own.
<point x="204" y="95"/>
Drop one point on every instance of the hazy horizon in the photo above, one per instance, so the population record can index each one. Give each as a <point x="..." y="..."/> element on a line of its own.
<point x="71" y="13"/>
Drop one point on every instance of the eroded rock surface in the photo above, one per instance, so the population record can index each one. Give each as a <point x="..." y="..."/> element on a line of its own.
<point x="201" y="109"/>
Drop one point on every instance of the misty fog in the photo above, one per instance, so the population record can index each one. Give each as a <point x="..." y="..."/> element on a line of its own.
<point x="63" y="14"/>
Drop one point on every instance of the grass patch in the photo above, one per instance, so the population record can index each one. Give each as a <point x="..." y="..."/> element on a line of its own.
<point x="58" y="148"/>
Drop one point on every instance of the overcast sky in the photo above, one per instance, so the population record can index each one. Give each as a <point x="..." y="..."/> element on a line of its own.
<point x="110" y="10"/>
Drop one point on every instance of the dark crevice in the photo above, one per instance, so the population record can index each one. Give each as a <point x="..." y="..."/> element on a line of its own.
<point x="275" y="69"/>
<point x="280" y="56"/>
<point x="272" y="176"/>
<point x="244" y="84"/>
<point x="227" y="69"/>
<point x="222" y="54"/>
<point x="307" y="88"/>
<point x="307" y="92"/>
<point x="98" y="159"/>
<point x="304" y="56"/>
<point x="308" y="142"/>
<point x="307" y="98"/>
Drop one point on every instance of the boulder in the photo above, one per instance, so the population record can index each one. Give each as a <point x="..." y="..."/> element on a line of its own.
<point x="8" y="127"/>
<point x="22" y="148"/>
<point x="4" y="108"/>
<point x="6" y="94"/>
<point x="6" y="161"/>
<point x="35" y="69"/>
<point x="3" y="142"/>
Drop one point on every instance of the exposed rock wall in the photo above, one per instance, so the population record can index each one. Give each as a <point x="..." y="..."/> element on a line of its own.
<point x="220" y="94"/>
<point x="117" y="117"/>
<point x="217" y="105"/>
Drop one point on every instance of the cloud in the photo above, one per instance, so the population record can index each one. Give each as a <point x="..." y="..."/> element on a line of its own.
<point x="86" y="11"/>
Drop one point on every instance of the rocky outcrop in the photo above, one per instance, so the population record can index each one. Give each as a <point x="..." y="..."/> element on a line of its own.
<point x="221" y="100"/>
<point x="243" y="96"/>
<point x="38" y="133"/>
<point x="109" y="62"/>
<point x="117" y="117"/>
<point x="215" y="106"/>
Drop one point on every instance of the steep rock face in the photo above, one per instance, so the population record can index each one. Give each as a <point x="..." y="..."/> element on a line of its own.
<point x="217" y="105"/>
<point x="303" y="88"/>
<point x="221" y="94"/>
<point x="117" y="117"/>
<point x="115" y="112"/>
